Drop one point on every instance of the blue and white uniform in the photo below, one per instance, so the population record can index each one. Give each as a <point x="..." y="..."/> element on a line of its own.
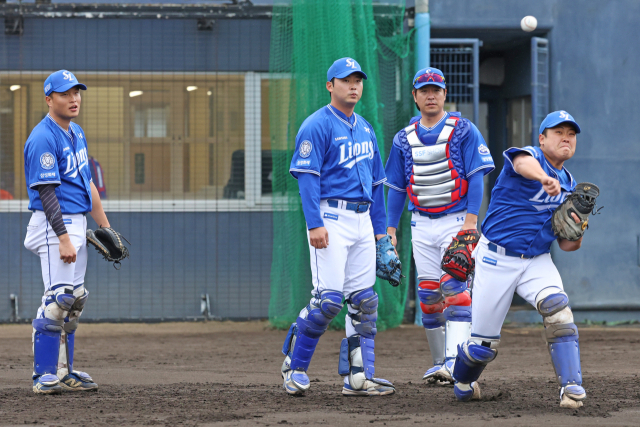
<point x="442" y="168"/>
<point x="513" y="255"/>
<point x="340" y="175"/>
<point x="57" y="156"/>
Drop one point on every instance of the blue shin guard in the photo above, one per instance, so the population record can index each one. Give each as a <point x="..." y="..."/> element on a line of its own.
<point x="46" y="350"/>
<point x="564" y="348"/>
<point x="473" y="356"/>
<point x="357" y="353"/>
<point x="303" y="337"/>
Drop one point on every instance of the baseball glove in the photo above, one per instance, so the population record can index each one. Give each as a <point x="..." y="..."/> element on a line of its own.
<point x="108" y="242"/>
<point x="457" y="260"/>
<point x="388" y="266"/>
<point x="581" y="202"/>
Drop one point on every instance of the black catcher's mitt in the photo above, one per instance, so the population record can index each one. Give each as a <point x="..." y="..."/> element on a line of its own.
<point x="581" y="202"/>
<point x="457" y="260"/>
<point x="108" y="242"/>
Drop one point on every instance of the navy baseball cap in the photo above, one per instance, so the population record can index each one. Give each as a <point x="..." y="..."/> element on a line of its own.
<point x="61" y="81"/>
<point x="344" y="67"/>
<point x="556" y="118"/>
<point x="429" y="76"/>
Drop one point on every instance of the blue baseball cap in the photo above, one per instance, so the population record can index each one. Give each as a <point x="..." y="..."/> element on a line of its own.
<point x="557" y="117"/>
<point x="61" y="81"/>
<point x="344" y="67"/>
<point x="429" y="76"/>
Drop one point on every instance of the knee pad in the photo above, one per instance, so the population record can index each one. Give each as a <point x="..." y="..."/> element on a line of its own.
<point x="365" y="305"/>
<point x="429" y="293"/>
<point x="461" y="299"/>
<point x="71" y="322"/>
<point x="550" y="301"/>
<point x="59" y="302"/>
<point x="473" y="356"/>
<point x="451" y="286"/>
<point x="313" y="321"/>
<point x="46" y="346"/>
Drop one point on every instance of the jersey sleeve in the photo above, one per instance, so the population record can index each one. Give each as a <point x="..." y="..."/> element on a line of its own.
<point x="308" y="156"/>
<point x="394" y="169"/>
<point x="512" y="152"/>
<point x="377" y="172"/>
<point x="41" y="161"/>
<point x="477" y="157"/>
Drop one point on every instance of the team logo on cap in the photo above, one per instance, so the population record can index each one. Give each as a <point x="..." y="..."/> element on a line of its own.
<point x="482" y="149"/>
<point x="47" y="161"/>
<point x="351" y="63"/>
<point x="47" y="87"/>
<point x="68" y="76"/>
<point x="564" y="115"/>
<point x="305" y="149"/>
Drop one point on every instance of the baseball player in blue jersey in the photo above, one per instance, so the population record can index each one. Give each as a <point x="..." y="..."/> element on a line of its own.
<point x="60" y="194"/>
<point x="439" y="160"/>
<point x="513" y="256"/>
<point x="339" y="173"/>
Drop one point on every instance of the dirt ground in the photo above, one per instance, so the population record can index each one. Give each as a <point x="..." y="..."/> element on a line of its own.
<point x="228" y="374"/>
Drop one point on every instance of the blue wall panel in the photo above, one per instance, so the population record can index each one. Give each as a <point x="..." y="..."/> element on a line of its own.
<point x="137" y="45"/>
<point x="175" y="257"/>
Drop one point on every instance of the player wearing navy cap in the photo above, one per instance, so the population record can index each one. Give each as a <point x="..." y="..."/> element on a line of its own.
<point x="60" y="194"/>
<point x="439" y="160"/>
<point x="339" y="173"/>
<point x="513" y="256"/>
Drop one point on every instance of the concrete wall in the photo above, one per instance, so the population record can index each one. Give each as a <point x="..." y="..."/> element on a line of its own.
<point x="594" y="76"/>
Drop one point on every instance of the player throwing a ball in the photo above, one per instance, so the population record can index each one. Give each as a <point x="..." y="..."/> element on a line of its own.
<point x="339" y="172"/>
<point x="528" y="211"/>
<point x="439" y="160"/>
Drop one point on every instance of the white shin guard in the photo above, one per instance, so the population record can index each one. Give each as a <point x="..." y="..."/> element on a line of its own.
<point x="436" y="339"/>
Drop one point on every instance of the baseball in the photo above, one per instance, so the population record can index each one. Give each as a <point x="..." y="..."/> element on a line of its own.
<point x="528" y="23"/>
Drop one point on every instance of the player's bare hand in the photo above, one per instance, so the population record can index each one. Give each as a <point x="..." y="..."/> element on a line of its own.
<point x="67" y="251"/>
<point x="551" y="186"/>
<point x="319" y="237"/>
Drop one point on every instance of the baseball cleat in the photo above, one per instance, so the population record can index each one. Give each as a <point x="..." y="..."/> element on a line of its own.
<point x="78" y="381"/>
<point x="571" y="396"/>
<point x="377" y="387"/>
<point x="466" y="392"/>
<point x="439" y="374"/>
<point x="47" y="384"/>
<point x="295" y="382"/>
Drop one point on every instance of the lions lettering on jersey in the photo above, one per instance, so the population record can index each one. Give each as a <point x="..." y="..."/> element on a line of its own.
<point x="519" y="214"/>
<point x="360" y="151"/>
<point x="75" y="162"/>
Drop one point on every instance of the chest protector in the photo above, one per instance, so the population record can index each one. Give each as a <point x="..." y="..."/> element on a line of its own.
<point x="435" y="173"/>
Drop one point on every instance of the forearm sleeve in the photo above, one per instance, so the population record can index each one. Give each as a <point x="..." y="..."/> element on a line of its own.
<point x="378" y="215"/>
<point x="474" y="193"/>
<point x="395" y="206"/>
<point x="309" y="186"/>
<point x="51" y="208"/>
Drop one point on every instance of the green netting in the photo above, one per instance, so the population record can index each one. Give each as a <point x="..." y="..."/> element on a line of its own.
<point x="306" y="37"/>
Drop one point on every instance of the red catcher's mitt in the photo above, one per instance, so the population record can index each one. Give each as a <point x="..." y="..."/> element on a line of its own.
<point x="457" y="260"/>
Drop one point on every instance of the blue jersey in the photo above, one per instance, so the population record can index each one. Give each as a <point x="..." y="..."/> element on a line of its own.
<point x="474" y="152"/>
<point x="519" y="215"/>
<point x="343" y="151"/>
<point x="53" y="155"/>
